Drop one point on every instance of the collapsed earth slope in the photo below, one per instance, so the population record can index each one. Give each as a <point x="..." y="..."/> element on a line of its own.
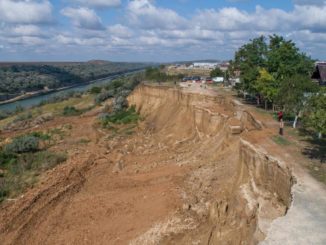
<point x="188" y="175"/>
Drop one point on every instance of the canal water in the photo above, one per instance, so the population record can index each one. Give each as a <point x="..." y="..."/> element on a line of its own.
<point x="34" y="101"/>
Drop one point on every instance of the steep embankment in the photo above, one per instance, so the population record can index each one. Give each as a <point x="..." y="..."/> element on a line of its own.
<point x="186" y="176"/>
<point x="237" y="189"/>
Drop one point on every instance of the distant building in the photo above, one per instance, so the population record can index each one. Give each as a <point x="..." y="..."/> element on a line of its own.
<point x="320" y="73"/>
<point x="224" y="66"/>
<point x="205" y="65"/>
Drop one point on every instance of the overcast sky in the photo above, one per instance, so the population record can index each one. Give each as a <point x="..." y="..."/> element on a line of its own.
<point x="153" y="30"/>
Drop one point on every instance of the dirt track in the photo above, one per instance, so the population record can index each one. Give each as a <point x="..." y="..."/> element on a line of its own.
<point x="190" y="174"/>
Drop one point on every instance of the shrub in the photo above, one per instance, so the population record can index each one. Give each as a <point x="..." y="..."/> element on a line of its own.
<point x="71" y="111"/>
<point x="26" y="143"/>
<point x="95" y="90"/>
<point x="119" y="103"/>
<point x="40" y="135"/>
<point x="116" y="83"/>
<point x="104" y="96"/>
<point x="6" y="158"/>
<point x="121" y="117"/>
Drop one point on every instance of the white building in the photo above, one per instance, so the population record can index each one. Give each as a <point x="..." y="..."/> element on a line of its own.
<point x="204" y="65"/>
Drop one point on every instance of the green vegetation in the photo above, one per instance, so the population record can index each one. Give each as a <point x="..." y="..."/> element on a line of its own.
<point x="22" y="160"/>
<point x="124" y="116"/>
<point x="40" y="135"/>
<point x="119" y="89"/>
<point x="71" y="111"/>
<point x="217" y="72"/>
<point x="157" y="75"/>
<point x="280" y="74"/>
<point x="266" y="85"/>
<point x="95" y="90"/>
<point x="21" y="144"/>
<point x="18" y="78"/>
<point x="315" y="110"/>
<point x="268" y="68"/>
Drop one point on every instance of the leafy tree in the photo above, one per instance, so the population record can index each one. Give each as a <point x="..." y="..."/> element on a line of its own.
<point x="316" y="112"/>
<point x="292" y="94"/>
<point x="284" y="59"/>
<point x="250" y="58"/>
<point x="266" y="85"/>
<point x="277" y="70"/>
<point x="217" y="72"/>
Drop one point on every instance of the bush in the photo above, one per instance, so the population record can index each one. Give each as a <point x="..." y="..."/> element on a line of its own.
<point x="26" y="143"/>
<point x="40" y="135"/>
<point x="120" y="117"/>
<point x="6" y="158"/>
<point x="71" y="111"/>
<point x="103" y="96"/>
<point x="95" y="90"/>
<point x="120" y="103"/>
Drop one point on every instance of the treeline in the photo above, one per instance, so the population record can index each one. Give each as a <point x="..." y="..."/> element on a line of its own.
<point x="276" y="72"/>
<point x="15" y="79"/>
<point x="157" y="74"/>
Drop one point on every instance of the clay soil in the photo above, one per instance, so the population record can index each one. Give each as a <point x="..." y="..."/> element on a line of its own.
<point x="175" y="179"/>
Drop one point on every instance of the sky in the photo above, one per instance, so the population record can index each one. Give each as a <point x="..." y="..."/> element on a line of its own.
<point x="153" y="30"/>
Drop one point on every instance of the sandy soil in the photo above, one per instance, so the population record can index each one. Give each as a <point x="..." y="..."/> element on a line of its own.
<point x="189" y="174"/>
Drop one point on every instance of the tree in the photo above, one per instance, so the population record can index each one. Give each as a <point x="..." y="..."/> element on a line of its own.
<point x="266" y="85"/>
<point x="284" y="59"/>
<point x="292" y="94"/>
<point x="250" y="58"/>
<point x="315" y="109"/>
<point x="217" y="72"/>
<point x="277" y="70"/>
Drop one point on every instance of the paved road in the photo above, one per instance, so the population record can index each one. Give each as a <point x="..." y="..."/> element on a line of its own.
<point x="305" y="222"/>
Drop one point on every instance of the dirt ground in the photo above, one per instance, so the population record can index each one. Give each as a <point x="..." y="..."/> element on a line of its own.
<point x="188" y="174"/>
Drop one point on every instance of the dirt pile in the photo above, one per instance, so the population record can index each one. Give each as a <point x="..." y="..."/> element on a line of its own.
<point x="186" y="176"/>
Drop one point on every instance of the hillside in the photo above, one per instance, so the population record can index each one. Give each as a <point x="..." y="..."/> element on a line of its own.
<point x="16" y="78"/>
<point x="194" y="168"/>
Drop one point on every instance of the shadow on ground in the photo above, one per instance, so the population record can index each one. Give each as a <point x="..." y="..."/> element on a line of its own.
<point x="316" y="150"/>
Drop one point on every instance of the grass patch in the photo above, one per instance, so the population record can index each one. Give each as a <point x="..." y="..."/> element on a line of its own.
<point x="22" y="160"/>
<point x="20" y="171"/>
<point x="73" y="111"/>
<point x="281" y="140"/>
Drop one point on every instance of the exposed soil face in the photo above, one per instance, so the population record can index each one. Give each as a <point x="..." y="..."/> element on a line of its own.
<point x="190" y="174"/>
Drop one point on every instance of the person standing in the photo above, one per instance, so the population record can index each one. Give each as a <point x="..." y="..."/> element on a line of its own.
<point x="280" y="119"/>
